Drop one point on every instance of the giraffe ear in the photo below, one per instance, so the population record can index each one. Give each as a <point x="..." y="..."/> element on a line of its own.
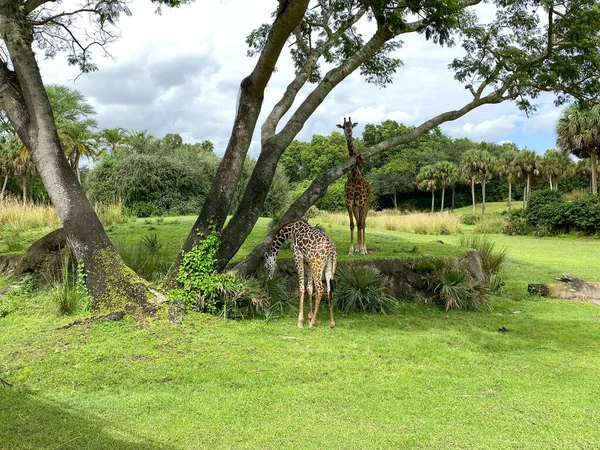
<point x="354" y="124"/>
<point x="339" y="126"/>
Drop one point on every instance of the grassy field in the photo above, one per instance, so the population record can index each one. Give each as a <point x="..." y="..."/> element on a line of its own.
<point x="421" y="378"/>
<point x="490" y="208"/>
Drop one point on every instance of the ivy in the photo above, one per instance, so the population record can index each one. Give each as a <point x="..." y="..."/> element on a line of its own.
<point x="203" y="289"/>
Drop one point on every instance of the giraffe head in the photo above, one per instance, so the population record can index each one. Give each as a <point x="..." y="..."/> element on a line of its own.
<point x="347" y="127"/>
<point x="270" y="263"/>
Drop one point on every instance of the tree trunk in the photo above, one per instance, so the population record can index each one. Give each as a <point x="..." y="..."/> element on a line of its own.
<point x="219" y="199"/>
<point x="112" y="285"/>
<point x="30" y="187"/>
<point x="483" y="197"/>
<point x="452" y="197"/>
<point x="526" y="193"/>
<point x="594" y="173"/>
<point x="509" y="195"/>
<point x="551" y="185"/>
<point x="395" y="201"/>
<point x="432" y="199"/>
<point x="443" y="193"/>
<point x="4" y="185"/>
<point x="473" y="193"/>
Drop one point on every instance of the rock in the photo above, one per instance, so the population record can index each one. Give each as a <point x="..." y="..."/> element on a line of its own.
<point x="474" y="264"/>
<point x="45" y="258"/>
<point x="176" y="311"/>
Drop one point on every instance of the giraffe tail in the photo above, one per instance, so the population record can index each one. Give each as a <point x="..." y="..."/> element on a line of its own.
<point x="331" y="289"/>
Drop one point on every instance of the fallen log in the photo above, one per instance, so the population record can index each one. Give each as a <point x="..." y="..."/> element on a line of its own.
<point x="571" y="288"/>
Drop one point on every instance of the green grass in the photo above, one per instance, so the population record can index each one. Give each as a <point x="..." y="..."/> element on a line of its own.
<point x="490" y="208"/>
<point x="418" y="378"/>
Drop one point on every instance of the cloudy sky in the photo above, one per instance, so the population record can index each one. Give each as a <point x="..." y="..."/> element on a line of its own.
<point x="179" y="72"/>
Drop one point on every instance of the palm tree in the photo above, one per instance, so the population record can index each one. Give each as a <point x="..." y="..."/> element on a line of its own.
<point x="447" y="174"/>
<point x="427" y="180"/>
<point x="506" y="168"/>
<point x="553" y="164"/>
<point x="469" y="166"/>
<point x="113" y="137"/>
<point x="583" y="167"/>
<point x="77" y="141"/>
<point x="485" y="166"/>
<point x="526" y="165"/>
<point x="578" y="131"/>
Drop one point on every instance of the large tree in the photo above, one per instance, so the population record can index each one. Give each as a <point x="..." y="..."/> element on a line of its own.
<point x="553" y="164"/>
<point x="447" y="174"/>
<point x="526" y="166"/>
<point x="59" y="27"/>
<point x="428" y="180"/>
<point x="506" y="167"/>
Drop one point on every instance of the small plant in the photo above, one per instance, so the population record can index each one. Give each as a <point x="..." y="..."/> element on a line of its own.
<point x="68" y="293"/>
<point x="492" y="259"/>
<point x="363" y="289"/>
<point x="427" y="264"/>
<point x="151" y="243"/>
<point x="456" y="291"/>
<point x="280" y="302"/>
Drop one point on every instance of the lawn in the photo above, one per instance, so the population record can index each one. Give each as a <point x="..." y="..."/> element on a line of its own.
<point x="420" y="378"/>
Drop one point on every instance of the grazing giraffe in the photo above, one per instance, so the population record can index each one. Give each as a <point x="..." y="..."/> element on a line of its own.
<point x="310" y="245"/>
<point x="357" y="194"/>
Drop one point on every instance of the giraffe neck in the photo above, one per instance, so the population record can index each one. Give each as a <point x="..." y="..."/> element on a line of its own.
<point x="279" y="238"/>
<point x="350" y="143"/>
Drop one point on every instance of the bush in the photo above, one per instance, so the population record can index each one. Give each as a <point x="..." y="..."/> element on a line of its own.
<point x="68" y="293"/>
<point x="516" y="224"/>
<point x="147" y="257"/>
<point x="143" y="209"/>
<point x="363" y="289"/>
<point x="470" y="219"/>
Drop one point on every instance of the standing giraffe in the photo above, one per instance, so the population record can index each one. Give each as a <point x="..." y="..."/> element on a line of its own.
<point x="357" y="194"/>
<point x="310" y="245"/>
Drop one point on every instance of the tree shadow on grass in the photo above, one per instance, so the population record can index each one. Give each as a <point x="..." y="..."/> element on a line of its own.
<point x="30" y="422"/>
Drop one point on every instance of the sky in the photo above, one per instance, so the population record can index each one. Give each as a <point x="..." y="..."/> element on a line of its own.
<point x="179" y="72"/>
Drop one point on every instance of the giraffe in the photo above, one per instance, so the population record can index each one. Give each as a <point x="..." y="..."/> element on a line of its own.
<point x="310" y="245"/>
<point x="357" y="194"/>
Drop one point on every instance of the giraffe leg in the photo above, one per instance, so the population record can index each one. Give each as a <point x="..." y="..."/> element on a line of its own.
<point x="317" y="274"/>
<point x="300" y="268"/>
<point x="355" y="212"/>
<point x="329" y="281"/>
<point x="309" y="291"/>
<point x="362" y="220"/>
<point x="351" y="215"/>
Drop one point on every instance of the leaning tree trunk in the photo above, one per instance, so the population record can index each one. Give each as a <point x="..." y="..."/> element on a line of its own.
<point x="112" y="285"/>
<point x="218" y="201"/>
<point x="593" y="159"/>
<point x="4" y="185"/>
<point x="483" y="197"/>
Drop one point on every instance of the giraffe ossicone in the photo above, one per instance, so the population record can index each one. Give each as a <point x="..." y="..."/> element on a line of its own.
<point x="313" y="247"/>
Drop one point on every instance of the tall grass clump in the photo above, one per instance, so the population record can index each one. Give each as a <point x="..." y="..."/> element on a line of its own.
<point x="363" y="289"/>
<point x="489" y="225"/>
<point x="418" y="223"/>
<point x="68" y="292"/>
<point x="111" y="213"/>
<point x="16" y="215"/>
<point x="147" y="257"/>
<point x="492" y="259"/>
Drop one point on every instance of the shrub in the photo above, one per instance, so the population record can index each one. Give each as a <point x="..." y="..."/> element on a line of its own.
<point x="516" y="224"/>
<point x="456" y="291"/>
<point x="427" y="264"/>
<point x="363" y="289"/>
<point x="146" y="258"/>
<point x="470" y="219"/>
<point x="143" y="209"/>
<point x="492" y="259"/>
